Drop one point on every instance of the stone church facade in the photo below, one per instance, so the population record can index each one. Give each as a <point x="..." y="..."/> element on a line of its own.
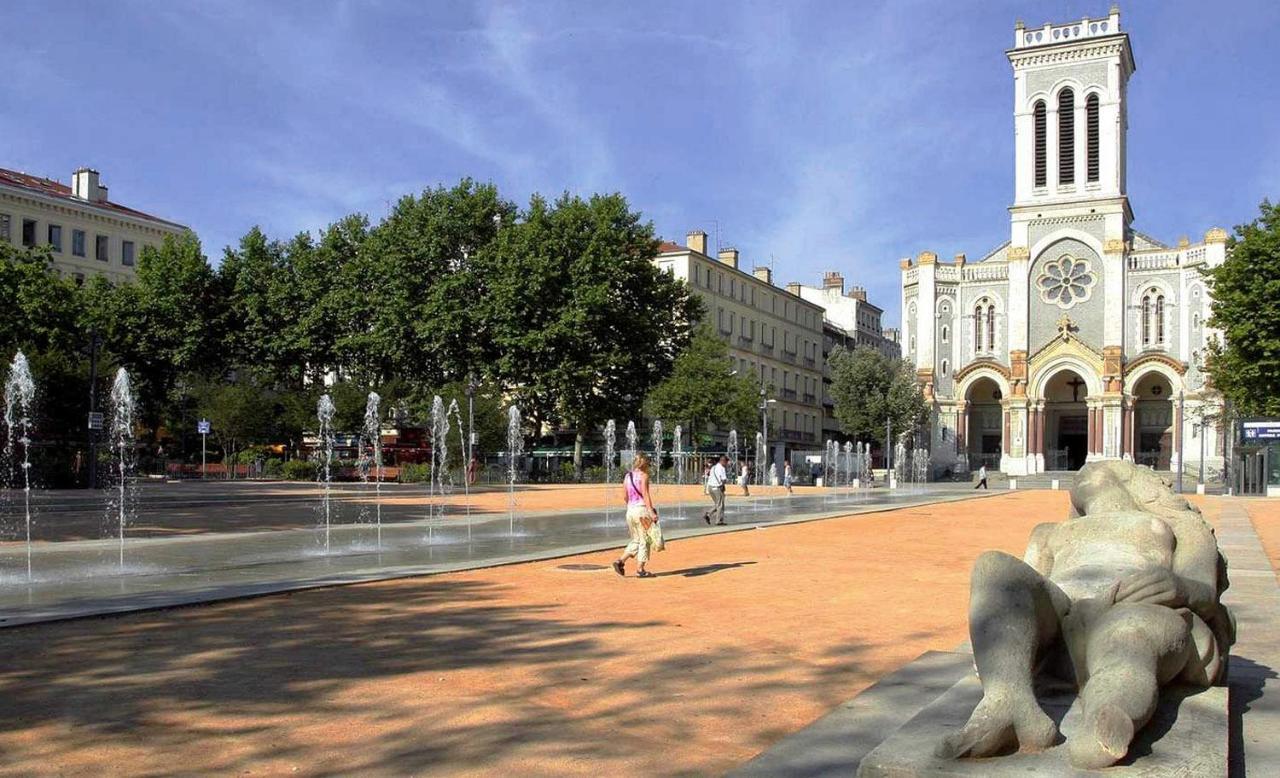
<point x="1080" y="338"/>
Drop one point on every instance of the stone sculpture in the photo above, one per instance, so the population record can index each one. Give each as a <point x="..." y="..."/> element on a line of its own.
<point x="1120" y="600"/>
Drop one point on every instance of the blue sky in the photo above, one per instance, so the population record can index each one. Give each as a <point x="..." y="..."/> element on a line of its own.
<point x="834" y="135"/>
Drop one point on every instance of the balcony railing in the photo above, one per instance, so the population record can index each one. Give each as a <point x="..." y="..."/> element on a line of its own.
<point x="788" y="394"/>
<point x="766" y="348"/>
<point x="810" y="362"/>
<point x="744" y="341"/>
<point x="810" y="398"/>
<point x="789" y="356"/>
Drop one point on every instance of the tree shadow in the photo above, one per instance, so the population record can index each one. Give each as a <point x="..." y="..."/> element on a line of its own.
<point x="252" y="685"/>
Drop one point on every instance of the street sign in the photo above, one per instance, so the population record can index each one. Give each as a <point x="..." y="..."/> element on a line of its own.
<point x="95" y="420"/>
<point x="1261" y="430"/>
<point x="203" y="427"/>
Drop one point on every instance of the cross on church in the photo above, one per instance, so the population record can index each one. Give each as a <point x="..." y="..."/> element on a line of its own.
<point x="1065" y="326"/>
<point x="1075" y="383"/>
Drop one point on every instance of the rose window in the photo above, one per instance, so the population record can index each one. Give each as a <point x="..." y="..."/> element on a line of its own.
<point x="1066" y="281"/>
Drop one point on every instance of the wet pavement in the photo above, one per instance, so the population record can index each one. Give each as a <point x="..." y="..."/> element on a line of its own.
<point x="75" y="578"/>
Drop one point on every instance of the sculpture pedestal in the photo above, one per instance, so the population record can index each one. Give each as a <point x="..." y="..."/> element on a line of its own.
<point x="1186" y="736"/>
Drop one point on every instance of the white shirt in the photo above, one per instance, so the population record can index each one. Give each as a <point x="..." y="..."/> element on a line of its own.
<point x="982" y="472"/>
<point x="718" y="477"/>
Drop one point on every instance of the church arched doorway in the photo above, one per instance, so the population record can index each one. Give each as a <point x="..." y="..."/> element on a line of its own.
<point x="1153" y="421"/>
<point x="984" y="437"/>
<point x="1066" y="421"/>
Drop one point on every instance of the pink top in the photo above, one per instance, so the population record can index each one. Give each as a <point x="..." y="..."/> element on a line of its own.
<point x="634" y="497"/>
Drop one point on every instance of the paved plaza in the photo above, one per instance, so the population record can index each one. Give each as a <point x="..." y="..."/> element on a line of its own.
<point x="198" y="542"/>
<point x="551" y="666"/>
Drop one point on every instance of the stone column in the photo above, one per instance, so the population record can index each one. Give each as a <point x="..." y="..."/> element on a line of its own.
<point x="1093" y="432"/>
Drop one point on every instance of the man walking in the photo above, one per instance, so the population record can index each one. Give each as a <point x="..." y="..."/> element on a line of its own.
<point x="982" y="477"/>
<point x="716" y="480"/>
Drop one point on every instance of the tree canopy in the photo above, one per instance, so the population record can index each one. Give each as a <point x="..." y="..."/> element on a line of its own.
<point x="703" y="390"/>
<point x="1246" y="307"/>
<point x="869" y="388"/>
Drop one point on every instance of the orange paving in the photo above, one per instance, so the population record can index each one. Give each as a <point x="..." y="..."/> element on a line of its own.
<point x="527" y="669"/>
<point x="1265" y="515"/>
<point x="584" y="496"/>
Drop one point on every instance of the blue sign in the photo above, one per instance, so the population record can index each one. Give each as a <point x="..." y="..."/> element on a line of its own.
<point x="203" y="427"/>
<point x="1261" y="430"/>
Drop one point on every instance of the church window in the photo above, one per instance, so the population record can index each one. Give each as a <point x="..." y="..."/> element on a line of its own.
<point x="1066" y="137"/>
<point x="1146" y="319"/>
<point x="945" y="332"/>
<point x="944" y="367"/>
<point x="977" y="327"/>
<point x="1066" y="281"/>
<point x="1091" y="139"/>
<point x="1038" y="143"/>
<point x="1160" y="319"/>
<point x="991" y="328"/>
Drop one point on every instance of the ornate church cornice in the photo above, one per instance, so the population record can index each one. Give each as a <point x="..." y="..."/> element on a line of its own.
<point x="1032" y="58"/>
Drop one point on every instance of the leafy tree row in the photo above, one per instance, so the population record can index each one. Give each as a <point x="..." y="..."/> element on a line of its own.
<point x="555" y="306"/>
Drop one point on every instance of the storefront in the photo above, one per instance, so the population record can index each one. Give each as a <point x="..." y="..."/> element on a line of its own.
<point x="1257" y="458"/>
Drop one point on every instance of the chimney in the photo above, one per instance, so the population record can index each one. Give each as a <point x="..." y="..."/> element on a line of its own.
<point x="697" y="241"/>
<point x="84" y="185"/>
<point x="764" y="274"/>
<point x="729" y="256"/>
<point x="833" y="280"/>
<point x="794" y="288"/>
<point x="858" y="293"/>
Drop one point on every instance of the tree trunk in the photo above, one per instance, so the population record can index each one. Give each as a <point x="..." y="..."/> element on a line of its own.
<point x="577" y="456"/>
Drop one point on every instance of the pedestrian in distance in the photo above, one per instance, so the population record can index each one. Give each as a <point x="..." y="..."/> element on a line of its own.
<point x="642" y="518"/>
<point x="982" y="477"/>
<point x="743" y="477"/>
<point x="786" y="476"/>
<point x="717" y="477"/>
<point x="473" y="469"/>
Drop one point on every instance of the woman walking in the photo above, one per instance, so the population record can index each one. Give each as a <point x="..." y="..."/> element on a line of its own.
<point x="786" y="476"/>
<point x="641" y="517"/>
<point x="743" y="478"/>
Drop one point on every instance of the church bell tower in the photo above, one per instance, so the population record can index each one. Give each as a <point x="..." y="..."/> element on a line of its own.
<point x="1070" y="83"/>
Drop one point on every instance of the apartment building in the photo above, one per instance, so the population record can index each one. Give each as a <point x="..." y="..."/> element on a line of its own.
<point x="851" y="312"/>
<point x="774" y="335"/>
<point x="87" y="233"/>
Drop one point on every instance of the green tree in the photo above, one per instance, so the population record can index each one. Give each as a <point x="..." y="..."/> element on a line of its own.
<point x="583" y="323"/>
<point x="240" y="413"/>
<point x="703" y="390"/>
<point x="164" y="324"/>
<point x="1246" y="307"/>
<point x="869" y="389"/>
<point x="413" y="297"/>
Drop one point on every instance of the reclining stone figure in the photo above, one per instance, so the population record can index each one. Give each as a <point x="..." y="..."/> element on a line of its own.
<point x="1121" y="599"/>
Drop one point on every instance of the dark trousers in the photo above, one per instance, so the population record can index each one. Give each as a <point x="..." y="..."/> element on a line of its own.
<point x="982" y="483"/>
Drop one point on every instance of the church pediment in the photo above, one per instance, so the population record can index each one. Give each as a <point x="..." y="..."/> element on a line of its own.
<point x="1066" y="344"/>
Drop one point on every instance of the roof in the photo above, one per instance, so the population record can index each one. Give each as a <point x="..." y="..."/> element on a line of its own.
<point x="1141" y="241"/>
<point x="51" y="188"/>
<point x="666" y="247"/>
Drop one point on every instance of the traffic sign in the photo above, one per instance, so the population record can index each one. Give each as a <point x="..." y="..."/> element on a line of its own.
<point x="1261" y="430"/>
<point x="95" y="420"/>
<point x="203" y="427"/>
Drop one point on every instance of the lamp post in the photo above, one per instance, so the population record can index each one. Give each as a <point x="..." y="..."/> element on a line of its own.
<point x="1178" y="421"/>
<point x="764" y="432"/>
<point x="95" y="343"/>
<point x="471" y="419"/>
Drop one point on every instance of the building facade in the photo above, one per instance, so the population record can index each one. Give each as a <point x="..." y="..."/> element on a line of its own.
<point x="86" y="232"/>
<point x="850" y="311"/>
<point x="1079" y="338"/>
<point x="774" y="336"/>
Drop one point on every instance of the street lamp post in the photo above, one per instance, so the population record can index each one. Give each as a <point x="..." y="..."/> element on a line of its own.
<point x="764" y="433"/>
<point x="95" y="342"/>
<point x="471" y="419"/>
<point x="1178" y="421"/>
